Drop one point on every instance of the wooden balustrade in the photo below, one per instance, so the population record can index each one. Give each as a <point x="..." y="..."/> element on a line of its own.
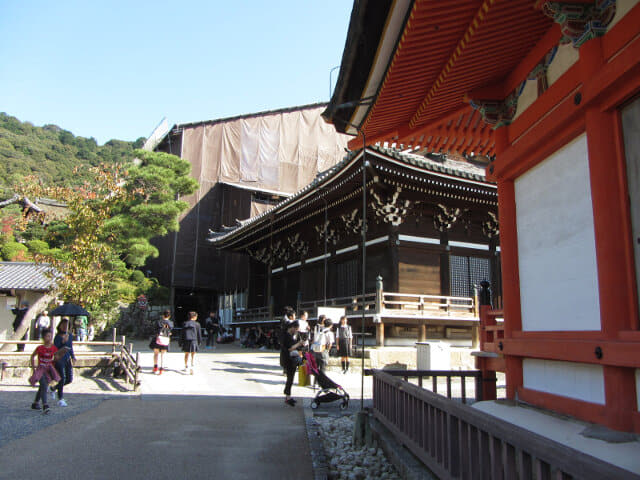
<point x="456" y="441"/>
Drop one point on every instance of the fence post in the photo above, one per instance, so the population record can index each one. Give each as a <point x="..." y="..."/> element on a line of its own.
<point x="135" y="372"/>
<point x="379" y="295"/>
<point x="113" y="344"/>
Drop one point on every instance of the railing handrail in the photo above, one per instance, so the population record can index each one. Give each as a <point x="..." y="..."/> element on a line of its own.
<point x="435" y="297"/>
<point x="515" y="440"/>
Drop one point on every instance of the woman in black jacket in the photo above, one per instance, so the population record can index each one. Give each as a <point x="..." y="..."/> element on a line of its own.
<point x="289" y="355"/>
<point x="160" y="340"/>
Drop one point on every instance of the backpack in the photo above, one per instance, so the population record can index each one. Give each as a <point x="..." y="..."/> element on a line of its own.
<point x="189" y="333"/>
<point x="319" y="342"/>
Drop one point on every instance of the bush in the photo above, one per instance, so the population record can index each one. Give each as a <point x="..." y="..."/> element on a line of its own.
<point x="14" y="252"/>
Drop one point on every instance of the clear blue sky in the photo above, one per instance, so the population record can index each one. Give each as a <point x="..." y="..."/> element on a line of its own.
<point x="113" y="69"/>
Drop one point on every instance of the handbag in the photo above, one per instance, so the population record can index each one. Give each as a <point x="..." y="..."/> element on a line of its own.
<point x="303" y="378"/>
<point x="162" y="340"/>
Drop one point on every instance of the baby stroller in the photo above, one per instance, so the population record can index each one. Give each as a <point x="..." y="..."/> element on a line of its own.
<point x="329" y="390"/>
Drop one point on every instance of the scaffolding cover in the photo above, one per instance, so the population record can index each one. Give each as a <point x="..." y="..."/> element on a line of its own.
<point x="278" y="151"/>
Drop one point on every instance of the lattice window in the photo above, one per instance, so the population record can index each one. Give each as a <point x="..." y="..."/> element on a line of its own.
<point x="465" y="272"/>
<point x="347" y="278"/>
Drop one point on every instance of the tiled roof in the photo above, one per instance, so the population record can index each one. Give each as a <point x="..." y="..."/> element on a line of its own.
<point x="25" y="276"/>
<point x="455" y="168"/>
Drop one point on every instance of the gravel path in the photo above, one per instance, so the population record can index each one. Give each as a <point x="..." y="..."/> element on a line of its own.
<point x="16" y="395"/>
<point x="345" y="461"/>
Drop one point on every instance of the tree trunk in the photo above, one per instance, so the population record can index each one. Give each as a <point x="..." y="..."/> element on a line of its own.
<point x="37" y="307"/>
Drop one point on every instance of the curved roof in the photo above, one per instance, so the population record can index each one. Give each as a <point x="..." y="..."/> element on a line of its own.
<point x="445" y="52"/>
<point x="456" y="169"/>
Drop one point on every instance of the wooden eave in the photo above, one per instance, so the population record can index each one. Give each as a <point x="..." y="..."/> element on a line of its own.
<point x="388" y="170"/>
<point x="448" y="50"/>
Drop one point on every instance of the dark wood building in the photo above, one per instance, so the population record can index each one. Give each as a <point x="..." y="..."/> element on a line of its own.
<point x="431" y="238"/>
<point x="244" y="165"/>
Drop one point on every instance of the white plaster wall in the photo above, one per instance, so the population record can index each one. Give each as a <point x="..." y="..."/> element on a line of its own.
<point x="556" y="243"/>
<point x="527" y="97"/>
<point x="575" y="380"/>
<point x="564" y="58"/>
<point x="622" y="8"/>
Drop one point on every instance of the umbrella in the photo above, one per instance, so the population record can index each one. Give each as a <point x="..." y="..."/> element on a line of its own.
<point x="69" y="310"/>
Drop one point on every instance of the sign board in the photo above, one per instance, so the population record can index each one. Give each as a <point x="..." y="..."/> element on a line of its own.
<point x="331" y="312"/>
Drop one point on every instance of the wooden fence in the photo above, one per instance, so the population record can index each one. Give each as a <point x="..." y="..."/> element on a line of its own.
<point x="453" y="378"/>
<point x="456" y="441"/>
<point x="117" y="350"/>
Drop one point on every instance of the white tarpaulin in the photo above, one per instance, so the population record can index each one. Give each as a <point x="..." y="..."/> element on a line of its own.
<point x="281" y="151"/>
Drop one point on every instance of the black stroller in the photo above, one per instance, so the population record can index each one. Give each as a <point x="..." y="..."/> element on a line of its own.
<point x="329" y="390"/>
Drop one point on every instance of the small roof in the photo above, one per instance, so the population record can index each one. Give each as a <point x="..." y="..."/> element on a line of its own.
<point x="26" y="276"/>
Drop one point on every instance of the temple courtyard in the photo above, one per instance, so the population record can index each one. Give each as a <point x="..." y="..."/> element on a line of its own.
<point x="227" y="420"/>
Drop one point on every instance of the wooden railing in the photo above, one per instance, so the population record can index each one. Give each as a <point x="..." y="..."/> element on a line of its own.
<point x="491" y="329"/>
<point x="117" y="350"/>
<point x="426" y="305"/>
<point x="352" y="304"/>
<point x="456" y="441"/>
<point x="259" y="314"/>
<point x="459" y="377"/>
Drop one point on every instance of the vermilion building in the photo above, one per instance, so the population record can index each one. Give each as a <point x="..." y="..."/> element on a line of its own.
<point x="549" y="91"/>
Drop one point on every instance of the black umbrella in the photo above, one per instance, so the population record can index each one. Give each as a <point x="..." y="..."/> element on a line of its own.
<point x="69" y="310"/>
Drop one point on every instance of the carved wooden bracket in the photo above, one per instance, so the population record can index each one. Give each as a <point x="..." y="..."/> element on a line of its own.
<point x="444" y="217"/>
<point x="580" y="22"/>
<point x="392" y="210"/>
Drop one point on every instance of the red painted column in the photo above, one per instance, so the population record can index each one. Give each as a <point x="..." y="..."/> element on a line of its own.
<point x="614" y="251"/>
<point x="510" y="269"/>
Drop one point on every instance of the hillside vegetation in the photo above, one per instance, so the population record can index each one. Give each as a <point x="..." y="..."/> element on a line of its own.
<point x="52" y="153"/>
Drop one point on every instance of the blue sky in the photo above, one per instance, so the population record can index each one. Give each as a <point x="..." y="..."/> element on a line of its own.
<point x="114" y="69"/>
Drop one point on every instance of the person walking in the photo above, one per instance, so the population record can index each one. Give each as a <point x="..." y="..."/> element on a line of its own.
<point x="80" y="324"/>
<point x="44" y="373"/>
<point x="160" y="340"/>
<point x="43" y="322"/>
<point x="64" y="365"/>
<point x="345" y="339"/>
<point x="290" y="358"/>
<point x="319" y="345"/>
<point x="191" y="340"/>
<point x="212" y="327"/>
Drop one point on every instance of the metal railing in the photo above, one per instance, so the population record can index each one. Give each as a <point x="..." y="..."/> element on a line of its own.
<point x="456" y="441"/>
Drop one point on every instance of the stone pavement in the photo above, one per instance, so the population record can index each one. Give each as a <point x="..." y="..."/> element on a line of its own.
<point x="228" y="420"/>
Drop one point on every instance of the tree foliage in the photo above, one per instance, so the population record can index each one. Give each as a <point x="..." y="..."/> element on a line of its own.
<point x="105" y="237"/>
<point x="52" y="154"/>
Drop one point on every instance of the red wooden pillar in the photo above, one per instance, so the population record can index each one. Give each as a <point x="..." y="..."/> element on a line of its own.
<point x="510" y="270"/>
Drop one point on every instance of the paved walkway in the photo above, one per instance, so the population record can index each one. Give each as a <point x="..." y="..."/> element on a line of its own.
<point x="228" y="420"/>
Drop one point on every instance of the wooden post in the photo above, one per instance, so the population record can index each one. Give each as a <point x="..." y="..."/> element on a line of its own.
<point x="113" y="345"/>
<point x="379" y="295"/>
<point x="131" y="349"/>
<point x="123" y="341"/>
<point x="135" y="372"/>
<point x="475" y="336"/>
<point x="422" y="333"/>
<point x="379" y="335"/>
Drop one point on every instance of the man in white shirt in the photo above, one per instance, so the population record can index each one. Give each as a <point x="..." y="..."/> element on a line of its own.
<point x="43" y="322"/>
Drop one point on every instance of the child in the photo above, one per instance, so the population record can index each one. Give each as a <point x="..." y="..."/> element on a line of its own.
<point x="45" y="373"/>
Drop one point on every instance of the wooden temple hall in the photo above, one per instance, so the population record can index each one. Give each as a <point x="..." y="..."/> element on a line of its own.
<point x="431" y="238"/>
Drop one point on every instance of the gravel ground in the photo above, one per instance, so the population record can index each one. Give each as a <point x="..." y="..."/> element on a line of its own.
<point x="16" y="395"/>
<point x="345" y="461"/>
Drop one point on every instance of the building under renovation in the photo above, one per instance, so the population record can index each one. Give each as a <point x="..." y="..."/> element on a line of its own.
<point x="244" y="165"/>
